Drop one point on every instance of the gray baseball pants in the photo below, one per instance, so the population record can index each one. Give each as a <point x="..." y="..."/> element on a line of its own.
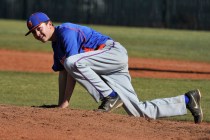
<point x="105" y="70"/>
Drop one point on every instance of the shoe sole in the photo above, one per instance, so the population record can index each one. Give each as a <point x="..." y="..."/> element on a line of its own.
<point x="200" y="105"/>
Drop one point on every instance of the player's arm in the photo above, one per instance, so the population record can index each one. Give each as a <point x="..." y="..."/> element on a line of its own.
<point x="70" y="45"/>
<point x="66" y="87"/>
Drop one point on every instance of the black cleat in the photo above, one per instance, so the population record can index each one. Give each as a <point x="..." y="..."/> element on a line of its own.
<point x="194" y="105"/>
<point x="110" y="103"/>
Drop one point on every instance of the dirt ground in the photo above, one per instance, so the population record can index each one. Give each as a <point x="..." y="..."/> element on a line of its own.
<point x="24" y="123"/>
<point x="28" y="123"/>
<point x="139" y="67"/>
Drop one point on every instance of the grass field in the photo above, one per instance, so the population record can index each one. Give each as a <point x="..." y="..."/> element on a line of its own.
<point x="140" y="42"/>
<point x="35" y="89"/>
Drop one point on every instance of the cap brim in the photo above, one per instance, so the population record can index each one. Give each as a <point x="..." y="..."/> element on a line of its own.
<point x="28" y="33"/>
<point x="32" y="29"/>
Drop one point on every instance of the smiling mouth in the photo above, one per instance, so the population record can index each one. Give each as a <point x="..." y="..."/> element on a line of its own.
<point x="41" y="37"/>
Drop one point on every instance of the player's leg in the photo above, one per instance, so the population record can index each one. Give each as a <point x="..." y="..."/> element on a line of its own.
<point x="86" y="68"/>
<point x="174" y="106"/>
<point x="152" y="109"/>
<point x="157" y="108"/>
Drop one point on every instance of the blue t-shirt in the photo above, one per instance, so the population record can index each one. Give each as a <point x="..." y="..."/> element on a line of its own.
<point x="72" y="39"/>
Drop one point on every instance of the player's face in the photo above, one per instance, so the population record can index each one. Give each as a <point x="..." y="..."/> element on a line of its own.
<point x="43" y="32"/>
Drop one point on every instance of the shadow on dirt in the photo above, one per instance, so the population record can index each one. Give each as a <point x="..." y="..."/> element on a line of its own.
<point x="46" y="106"/>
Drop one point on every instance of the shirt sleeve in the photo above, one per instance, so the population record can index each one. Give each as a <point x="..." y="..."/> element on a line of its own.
<point x="57" y="66"/>
<point x="71" y="41"/>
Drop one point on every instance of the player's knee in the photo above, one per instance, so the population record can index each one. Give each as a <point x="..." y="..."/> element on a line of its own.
<point x="69" y="64"/>
<point x="72" y="64"/>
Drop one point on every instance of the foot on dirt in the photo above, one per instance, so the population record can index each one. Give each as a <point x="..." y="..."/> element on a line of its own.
<point x="194" y="105"/>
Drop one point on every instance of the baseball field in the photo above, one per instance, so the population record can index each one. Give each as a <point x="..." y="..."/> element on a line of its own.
<point x="162" y="62"/>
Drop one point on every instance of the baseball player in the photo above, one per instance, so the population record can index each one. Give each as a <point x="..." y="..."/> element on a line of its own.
<point x="100" y="65"/>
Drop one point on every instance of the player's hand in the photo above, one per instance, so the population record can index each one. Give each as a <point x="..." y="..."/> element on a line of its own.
<point x="65" y="104"/>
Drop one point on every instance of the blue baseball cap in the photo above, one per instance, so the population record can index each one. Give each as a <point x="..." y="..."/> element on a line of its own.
<point x="35" y="20"/>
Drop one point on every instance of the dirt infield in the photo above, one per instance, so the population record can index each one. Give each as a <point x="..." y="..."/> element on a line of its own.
<point x="28" y="123"/>
<point x="139" y="67"/>
<point x="33" y="123"/>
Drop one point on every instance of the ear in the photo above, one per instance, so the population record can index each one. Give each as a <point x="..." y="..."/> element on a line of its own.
<point x="50" y="24"/>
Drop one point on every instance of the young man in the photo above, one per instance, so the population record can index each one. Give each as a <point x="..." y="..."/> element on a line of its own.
<point x="100" y="65"/>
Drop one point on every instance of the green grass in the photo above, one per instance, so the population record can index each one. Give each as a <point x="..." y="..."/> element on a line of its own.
<point x="140" y="42"/>
<point x="36" y="89"/>
<point x="12" y="36"/>
<point x="162" y="43"/>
